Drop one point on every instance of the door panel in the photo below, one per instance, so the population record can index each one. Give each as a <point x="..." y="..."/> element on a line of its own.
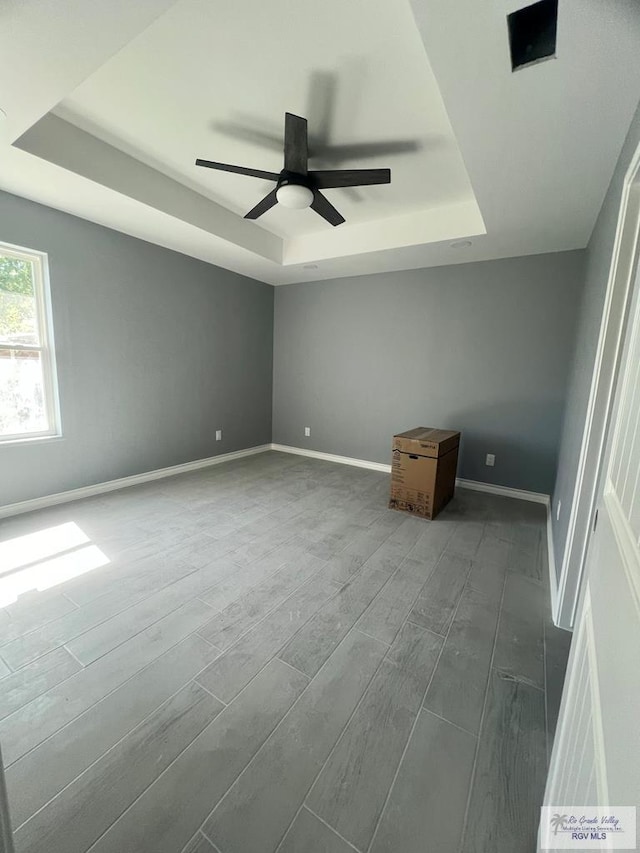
<point x="596" y="754"/>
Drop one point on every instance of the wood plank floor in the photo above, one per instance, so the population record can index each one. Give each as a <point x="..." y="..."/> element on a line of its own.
<point x="260" y="656"/>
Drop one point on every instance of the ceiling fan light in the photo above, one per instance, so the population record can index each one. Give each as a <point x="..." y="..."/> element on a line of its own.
<point x="295" y="196"/>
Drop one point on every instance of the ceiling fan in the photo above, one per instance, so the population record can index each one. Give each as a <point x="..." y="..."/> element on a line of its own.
<point x="297" y="187"/>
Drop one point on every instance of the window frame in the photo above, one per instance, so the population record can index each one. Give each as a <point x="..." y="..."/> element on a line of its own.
<point x="46" y="347"/>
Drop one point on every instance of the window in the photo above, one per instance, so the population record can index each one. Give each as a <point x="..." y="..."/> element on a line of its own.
<point x="28" y="393"/>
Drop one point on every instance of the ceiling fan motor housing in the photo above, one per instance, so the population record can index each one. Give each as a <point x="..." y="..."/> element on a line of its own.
<point x="287" y="177"/>
<point x="294" y="191"/>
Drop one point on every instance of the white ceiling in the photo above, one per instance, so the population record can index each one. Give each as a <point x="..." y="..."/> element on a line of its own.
<point x="517" y="163"/>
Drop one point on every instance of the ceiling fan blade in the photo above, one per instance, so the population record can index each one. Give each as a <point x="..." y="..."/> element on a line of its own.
<point x="326" y="209"/>
<point x="328" y="179"/>
<point x="239" y="170"/>
<point x="261" y="207"/>
<point x="296" y="153"/>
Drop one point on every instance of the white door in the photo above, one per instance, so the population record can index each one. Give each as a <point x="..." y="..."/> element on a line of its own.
<point x="599" y="408"/>
<point x="596" y="754"/>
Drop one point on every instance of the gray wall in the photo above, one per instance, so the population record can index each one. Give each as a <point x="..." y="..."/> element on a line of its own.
<point x="598" y="262"/>
<point x="155" y="350"/>
<point x="481" y="347"/>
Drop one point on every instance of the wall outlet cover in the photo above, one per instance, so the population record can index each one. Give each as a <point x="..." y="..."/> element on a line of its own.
<point x="491" y="460"/>
<point x="218" y="435"/>
<point x="307" y="431"/>
<point x="558" y="508"/>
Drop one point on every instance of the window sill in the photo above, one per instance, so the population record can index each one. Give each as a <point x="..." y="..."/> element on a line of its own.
<point x="31" y="439"/>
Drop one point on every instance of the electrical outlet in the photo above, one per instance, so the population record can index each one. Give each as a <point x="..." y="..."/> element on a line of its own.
<point x="218" y="435"/>
<point x="307" y="431"/>
<point x="558" y="508"/>
<point x="491" y="460"/>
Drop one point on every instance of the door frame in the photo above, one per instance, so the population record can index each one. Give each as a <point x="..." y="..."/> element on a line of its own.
<point x="6" y="835"/>
<point x="622" y="270"/>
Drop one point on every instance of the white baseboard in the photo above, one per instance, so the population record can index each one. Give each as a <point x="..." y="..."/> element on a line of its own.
<point x="330" y="457"/>
<point x="134" y="480"/>
<point x="125" y="482"/>
<point x="518" y="494"/>
<point x="505" y="491"/>
<point x="551" y="560"/>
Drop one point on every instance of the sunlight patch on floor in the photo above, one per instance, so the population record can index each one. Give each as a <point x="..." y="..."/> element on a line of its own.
<point x="24" y="550"/>
<point x="45" y="559"/>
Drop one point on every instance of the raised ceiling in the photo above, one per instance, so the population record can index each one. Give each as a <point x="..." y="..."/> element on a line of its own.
<point x="215" y="79"/>
<point x="515" y="163"/>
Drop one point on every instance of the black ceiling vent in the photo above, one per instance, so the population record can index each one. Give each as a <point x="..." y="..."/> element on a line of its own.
<point x="532" y="33"/>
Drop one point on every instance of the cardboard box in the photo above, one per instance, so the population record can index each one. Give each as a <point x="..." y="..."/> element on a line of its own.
<point x="423" y="470"/>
